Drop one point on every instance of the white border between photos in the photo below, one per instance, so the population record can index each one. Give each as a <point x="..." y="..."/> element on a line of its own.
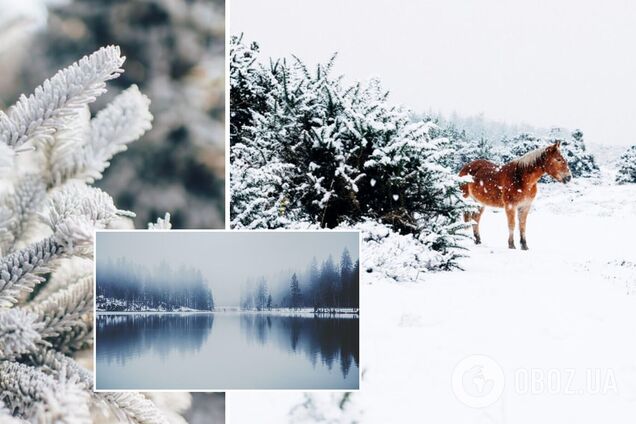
<point x="360" y="313"/>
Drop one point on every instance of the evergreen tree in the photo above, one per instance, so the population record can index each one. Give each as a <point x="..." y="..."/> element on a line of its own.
<point x="295" y="293"/>
<point x="355" y="285"/>
<point x="261" y="295"/>
<point x="313" y="278"/>
<point x="269" y="301"/>
<point x="329" y="277"/>
<point x="627" y="166"/>
<point x="344" y="289"/>
<point x="465" y="149"/>
<point x="317" y="150"/>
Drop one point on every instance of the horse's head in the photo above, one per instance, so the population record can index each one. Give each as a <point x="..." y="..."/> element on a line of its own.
<point x="555" y="165"/>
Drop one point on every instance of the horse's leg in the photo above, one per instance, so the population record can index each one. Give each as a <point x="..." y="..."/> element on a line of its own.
<point x="523" y="216"/>
<point x="510" y="214"/>
<point x="476" y="219"/>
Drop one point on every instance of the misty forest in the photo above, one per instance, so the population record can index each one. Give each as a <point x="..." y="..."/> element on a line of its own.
<point x="325" y="287"/>
<point x="125" y="286"/>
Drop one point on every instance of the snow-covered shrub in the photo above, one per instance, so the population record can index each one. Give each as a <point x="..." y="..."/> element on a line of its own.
<point x="519" y="146"/>
<point x="317" y="150"/>
<point x="626" y="169"/>
<point x="465" y="148"/>
<point x="401" y="257"/>
<point x="52" y="149"/>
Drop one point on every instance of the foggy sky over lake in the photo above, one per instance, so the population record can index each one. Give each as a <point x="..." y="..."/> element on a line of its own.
<point x="227" y="259"/>
<point x="560" y="63"/>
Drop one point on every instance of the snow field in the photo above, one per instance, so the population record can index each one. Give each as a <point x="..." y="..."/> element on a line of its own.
<point x="556" y="319"/>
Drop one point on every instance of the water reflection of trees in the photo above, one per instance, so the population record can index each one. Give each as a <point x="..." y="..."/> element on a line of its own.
<point x="330" y="340"/>
<point x="122" y="337"/>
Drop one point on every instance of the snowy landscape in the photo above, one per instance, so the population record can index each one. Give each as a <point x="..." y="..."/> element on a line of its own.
<point x="555" y="319"/>
<point x="453" y="331"/>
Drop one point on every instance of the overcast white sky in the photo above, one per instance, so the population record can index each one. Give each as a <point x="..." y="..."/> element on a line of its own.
<point x="546" y="63"/>
<point x="227" y="259"/>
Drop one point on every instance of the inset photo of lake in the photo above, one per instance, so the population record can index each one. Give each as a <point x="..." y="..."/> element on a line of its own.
<point x="227" y="310"/>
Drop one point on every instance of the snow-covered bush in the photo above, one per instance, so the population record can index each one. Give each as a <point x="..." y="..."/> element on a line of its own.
<point x="317" y="150"/>
<point x="626" y="169"/>
<point x="519" y="146"/>
<point x="465" y="148"/>
<point x="51" y="150"/>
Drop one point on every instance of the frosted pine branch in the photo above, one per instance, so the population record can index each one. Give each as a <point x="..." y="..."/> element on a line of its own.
<point x="19" y="333"/>
<point x="63" y="322"/>
<point x="64" y="151"/>
<point x="66" y="317"/>
<point x="18" y="207"/>
<point x="161" y="224"/>
<point x="39" y="115"/>
<point x="67" y="271"/>
<point x="129" y="406"/>
<point x="38" y="397"/>
<point x="19" y="270"/>
<point x="135" y="407"/>
<point x="76" y="210"/>
<point x="123" y="121"/>
<point x="83" y="150"/>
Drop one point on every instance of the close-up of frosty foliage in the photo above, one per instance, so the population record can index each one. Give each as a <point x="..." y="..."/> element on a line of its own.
<point x="53" y="150"/>
<point x="175" y="51"/>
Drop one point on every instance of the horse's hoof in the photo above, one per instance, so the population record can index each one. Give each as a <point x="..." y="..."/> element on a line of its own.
<point x="511" y="246"/>
<point x="477" y="241"/>
<point x="524" y="247"/>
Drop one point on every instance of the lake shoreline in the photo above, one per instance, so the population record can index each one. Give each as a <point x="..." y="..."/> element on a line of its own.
<point x="337" y="313"/>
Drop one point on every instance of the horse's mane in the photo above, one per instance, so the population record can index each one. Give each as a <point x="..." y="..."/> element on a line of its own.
<point x="531" y="158"/>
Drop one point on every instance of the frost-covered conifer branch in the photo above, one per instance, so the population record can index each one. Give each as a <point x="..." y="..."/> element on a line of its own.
<point x="63" y="322"/>
<point x="19" y="270"/>
<point x="19" y="333"/>
<point x="135" y="407"/>
<point x="83" y="151"/>
<point x="123" y="121"/>
<point x="27" y="197"/>
<point x="38" y="382"/>
<point x="67" y="271"/>
<point x="39" y="114"/>
<point x="38" y="397"/>
<point x="76" y="210"/>
<point x="66" y="317"/>
<point x="128" y="406"/>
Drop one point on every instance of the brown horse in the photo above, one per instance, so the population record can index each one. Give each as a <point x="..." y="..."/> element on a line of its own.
<point x="512" y="186"/>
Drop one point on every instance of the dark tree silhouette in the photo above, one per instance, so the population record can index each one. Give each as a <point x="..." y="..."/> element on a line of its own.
<point x="296" y="295"/>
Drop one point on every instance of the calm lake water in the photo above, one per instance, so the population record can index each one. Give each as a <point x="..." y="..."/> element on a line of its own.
<point x="226" y="350"/>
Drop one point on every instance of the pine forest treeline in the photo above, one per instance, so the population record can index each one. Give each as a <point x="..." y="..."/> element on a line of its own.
<point x="123" y="285"/>
<point x="329" y="285"/>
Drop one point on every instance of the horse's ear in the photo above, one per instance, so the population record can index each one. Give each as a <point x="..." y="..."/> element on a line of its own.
<point x="558" y="144"/>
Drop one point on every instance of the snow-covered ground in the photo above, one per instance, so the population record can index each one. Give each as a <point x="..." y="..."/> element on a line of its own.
<point x="555" y="325"/>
